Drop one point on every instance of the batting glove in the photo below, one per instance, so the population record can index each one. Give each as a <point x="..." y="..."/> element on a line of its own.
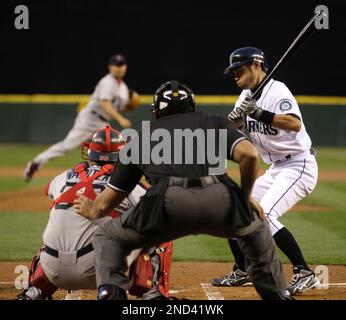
<point x="236" y="114"/>
<point x="237" y="117"/>
<point x="249" y="107"/>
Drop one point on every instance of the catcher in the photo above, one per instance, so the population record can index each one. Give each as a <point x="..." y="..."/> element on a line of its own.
<point x="66" y="259"/>
<point x="110" y="101"/>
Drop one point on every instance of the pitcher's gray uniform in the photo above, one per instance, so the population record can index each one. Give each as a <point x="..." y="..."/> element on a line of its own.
<point x="91" y="118"/>
<point x="68" y="232"/>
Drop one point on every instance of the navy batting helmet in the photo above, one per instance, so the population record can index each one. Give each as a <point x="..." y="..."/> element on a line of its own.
<point x="246" y="55"/>
<point x="103" y="146"/>
<point x="172" y="97"/>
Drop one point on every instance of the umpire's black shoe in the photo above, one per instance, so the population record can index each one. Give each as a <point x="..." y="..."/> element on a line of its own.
<point x="111" y="292"/>
<point x="279" y="295"/>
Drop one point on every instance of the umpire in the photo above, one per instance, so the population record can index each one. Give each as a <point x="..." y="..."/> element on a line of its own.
<point x="183" y="200"/>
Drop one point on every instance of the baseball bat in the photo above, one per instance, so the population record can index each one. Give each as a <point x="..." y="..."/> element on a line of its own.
<point x="298" y="41"/>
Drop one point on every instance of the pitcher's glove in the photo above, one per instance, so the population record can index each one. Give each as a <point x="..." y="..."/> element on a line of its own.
<point x="134" y="101"/>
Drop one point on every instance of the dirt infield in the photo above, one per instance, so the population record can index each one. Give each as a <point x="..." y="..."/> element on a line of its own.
<point x="24" y="200"/>
<point x="16" y="172"/>
<point x="186" y="283"/>
<point x="35" y="200"/>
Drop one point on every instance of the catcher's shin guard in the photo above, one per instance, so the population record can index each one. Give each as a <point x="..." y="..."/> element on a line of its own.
<point x="38" y="279"/>
<point x="151" y="270"/>
<point x="165" y="254"/>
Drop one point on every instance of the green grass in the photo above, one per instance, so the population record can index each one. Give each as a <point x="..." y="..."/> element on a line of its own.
<point x="14" y="155"/>
<point x="21" y="234"/>
<point x="331" y="158"/>
<point x="328" y="158"/>
<point x="201" y="248"/>
<point x="16" y="183"/>
<point x="321" y="234"/>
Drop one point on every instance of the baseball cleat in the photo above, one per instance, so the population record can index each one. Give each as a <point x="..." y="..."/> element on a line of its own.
<point x="302" y="281"/>
<point x="30" y="169"/>
<point x="236" y="278"/>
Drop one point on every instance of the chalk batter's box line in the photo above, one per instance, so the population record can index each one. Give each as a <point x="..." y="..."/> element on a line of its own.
<point x="340" y="284"/>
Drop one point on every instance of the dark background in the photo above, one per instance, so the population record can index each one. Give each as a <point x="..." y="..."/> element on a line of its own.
<point x="68" y="44"/>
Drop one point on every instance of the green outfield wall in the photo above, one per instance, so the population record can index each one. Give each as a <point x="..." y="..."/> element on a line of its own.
<point x="45" y="122"/>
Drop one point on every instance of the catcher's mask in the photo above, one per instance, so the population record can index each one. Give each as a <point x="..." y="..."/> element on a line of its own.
<point x="172" y="97"/>
<point x="103" y="146"/>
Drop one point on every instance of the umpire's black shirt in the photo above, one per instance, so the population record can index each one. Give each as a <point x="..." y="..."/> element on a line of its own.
<point x="125" y="177"/>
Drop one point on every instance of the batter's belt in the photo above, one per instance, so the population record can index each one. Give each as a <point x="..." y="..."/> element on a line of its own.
<point x="311" y="151"/>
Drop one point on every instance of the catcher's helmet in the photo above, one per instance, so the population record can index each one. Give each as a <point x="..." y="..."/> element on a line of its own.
<point x="103" y="146"/>
<point x="246" y="55"/>
<point x="172" y="97"/>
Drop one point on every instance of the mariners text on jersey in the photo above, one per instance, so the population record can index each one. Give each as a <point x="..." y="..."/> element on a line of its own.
<point x="260" y="127"/>
<point x="273" y="143"/>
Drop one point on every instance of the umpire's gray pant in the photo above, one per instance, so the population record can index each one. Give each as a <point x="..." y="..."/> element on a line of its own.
<point x="190" y="211"/>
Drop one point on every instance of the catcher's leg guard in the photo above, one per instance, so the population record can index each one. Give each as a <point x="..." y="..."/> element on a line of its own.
<point x="38" y="279"/>
<point x="165" y="254"/>
<point x="149" y="274"/>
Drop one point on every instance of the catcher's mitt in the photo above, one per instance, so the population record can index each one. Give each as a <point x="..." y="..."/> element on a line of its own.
<point x="134" y="101"/>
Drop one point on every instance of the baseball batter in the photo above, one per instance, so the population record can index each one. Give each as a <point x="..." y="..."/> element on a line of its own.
<point x="110" y="100"/>
<point x="67" y="259"/>
<point x="276" y="127"/>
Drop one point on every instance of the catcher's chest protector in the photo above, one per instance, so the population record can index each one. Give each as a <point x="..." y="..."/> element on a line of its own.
<point x="84" y="187"/>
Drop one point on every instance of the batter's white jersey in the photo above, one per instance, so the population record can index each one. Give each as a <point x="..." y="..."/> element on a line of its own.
<point x="288" y="179"/>
<point x="68" y="231"/>
<point x="272" y="143"/>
